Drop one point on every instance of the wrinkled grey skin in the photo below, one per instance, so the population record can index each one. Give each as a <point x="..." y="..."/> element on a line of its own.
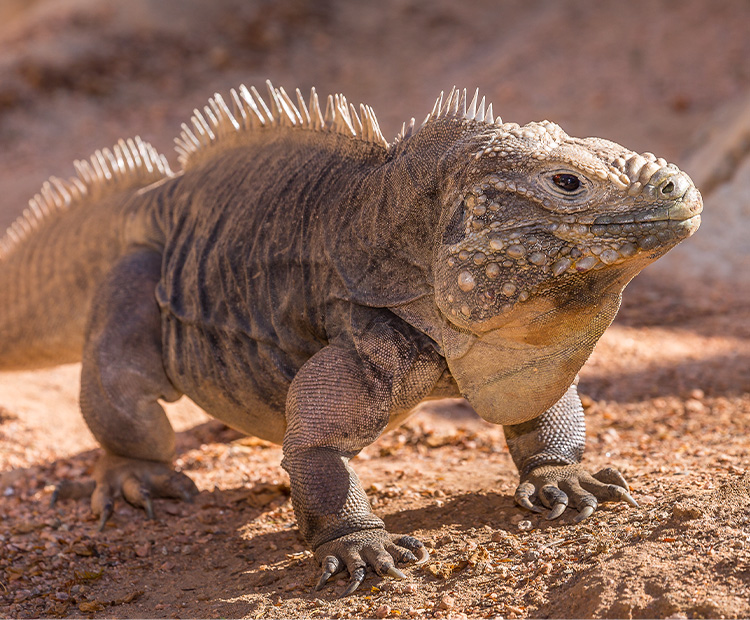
<point x="310" y="289"/>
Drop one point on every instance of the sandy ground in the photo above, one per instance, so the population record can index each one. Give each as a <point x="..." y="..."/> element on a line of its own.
<point x="667" y="391"/>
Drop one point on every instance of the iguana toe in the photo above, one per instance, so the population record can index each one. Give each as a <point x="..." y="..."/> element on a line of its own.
<point x="523" y="496"/>
<point x="357" y="577"/>
<point x="72" y="489"/>
<point x="331" y="565"/>
<point x="419" y="553"/>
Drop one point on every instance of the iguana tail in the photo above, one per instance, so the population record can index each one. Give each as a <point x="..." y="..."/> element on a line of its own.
<point x="54" y="255"/>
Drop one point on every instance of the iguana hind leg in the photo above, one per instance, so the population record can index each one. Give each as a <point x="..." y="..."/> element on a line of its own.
<point x="122" y="378"/>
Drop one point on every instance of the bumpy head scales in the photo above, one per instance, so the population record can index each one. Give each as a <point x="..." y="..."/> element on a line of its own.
<point x="538" y="213"/>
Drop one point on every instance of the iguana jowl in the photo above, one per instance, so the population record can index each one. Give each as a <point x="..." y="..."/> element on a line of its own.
<point x="306" y="282"/>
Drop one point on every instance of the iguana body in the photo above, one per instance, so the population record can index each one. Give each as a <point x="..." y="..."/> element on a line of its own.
<point x="305" y="282"/>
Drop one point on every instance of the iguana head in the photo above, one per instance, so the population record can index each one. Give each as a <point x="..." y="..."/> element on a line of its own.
<point x="541" y="232"/>
<point x="543" y="214"/>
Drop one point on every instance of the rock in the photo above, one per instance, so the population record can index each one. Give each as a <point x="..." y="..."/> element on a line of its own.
<point x="447" y="603"/>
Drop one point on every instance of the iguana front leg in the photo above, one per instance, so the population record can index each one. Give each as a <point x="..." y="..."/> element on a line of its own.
<point x="548" y="450"/>
<point x="340" y="402"/>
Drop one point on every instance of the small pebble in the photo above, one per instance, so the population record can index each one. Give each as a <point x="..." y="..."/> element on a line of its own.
<point x="143" y="550"/>
<point x="525" y="525"/>
<point x="382" y="611"/>
<point x="447" y="603"/>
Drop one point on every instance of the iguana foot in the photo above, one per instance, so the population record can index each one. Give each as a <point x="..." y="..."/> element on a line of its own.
<point x="138" y="481"/>
<point x="556" y="485"/>
<point x="376" y="548"/>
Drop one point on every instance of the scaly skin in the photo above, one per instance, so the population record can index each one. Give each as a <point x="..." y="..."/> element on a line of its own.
<point x="307" y="283"/>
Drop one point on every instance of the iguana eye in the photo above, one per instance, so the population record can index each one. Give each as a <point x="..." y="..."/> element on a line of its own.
<point x="567" y="182"/>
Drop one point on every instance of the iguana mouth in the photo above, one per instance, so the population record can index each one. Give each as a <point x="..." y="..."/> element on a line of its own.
<point x="662" y="226"/>
<point x="683" y="210"/>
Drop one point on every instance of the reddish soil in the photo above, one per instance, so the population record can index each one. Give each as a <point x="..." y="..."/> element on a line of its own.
<point x="667" y="391"/>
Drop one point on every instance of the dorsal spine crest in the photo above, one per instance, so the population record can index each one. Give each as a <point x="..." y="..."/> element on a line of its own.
<point x="130" y="163"/>
<point x="250" y="112"/>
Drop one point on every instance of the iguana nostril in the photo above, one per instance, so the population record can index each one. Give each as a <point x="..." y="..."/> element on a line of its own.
<point x="668" y="188"/>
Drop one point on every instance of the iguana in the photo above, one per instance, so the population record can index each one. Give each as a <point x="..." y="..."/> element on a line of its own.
<point x="306" y="282"/>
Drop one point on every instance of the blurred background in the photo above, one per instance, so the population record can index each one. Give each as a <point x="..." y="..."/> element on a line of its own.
<point x="670" y="77"/>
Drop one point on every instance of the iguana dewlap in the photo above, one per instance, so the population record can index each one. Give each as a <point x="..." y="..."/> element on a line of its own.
<point x="306" y="282"/>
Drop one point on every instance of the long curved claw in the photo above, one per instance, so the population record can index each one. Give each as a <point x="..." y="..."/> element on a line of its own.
<point x="149" y="506"/>
<point x="395" y="573"/>
<point x="331" y="566"/>
<point x="585" y="513"/>
<point x="423" y="557"/>
<point x="525" y="502"/>
<point x="630" y="500"/>
<point x="556" y="511"/>
<point x="107" y="510"/>
<point x="358" y="576"/>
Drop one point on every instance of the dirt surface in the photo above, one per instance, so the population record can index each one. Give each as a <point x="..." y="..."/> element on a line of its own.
<point x="667" y="391"/>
